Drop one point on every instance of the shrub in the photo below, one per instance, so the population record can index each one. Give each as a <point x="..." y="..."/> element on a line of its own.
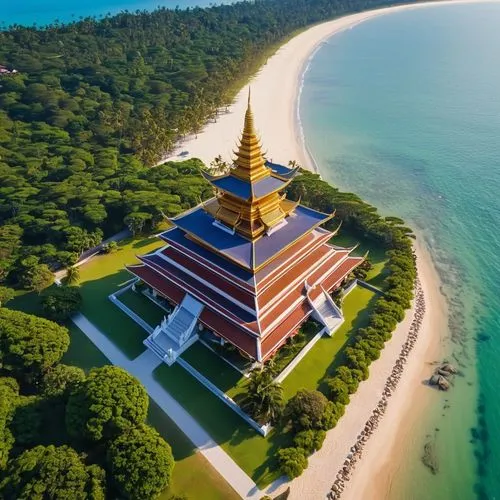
<point x="292" y="461"/>
<point x="309" y="410"/>
<point x="310" y="440"/>
<point x="350" y="376"/>
<point x="338" y="390"/>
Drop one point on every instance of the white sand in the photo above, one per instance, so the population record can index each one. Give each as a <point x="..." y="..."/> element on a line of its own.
<point x="275" y="92"/>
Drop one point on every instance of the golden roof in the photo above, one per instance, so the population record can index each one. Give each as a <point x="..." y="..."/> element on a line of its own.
<point x="250" y="215"/>
<point x="249" y="163"/>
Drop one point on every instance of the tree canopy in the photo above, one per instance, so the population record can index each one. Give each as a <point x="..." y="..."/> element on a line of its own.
<point x="51" y="472"/>
<point x="264" y="399"/>
<point x="59" y="303"/>
<point x="141" y="463"/>
<point x="9" y="391"/>
<point x="309" y="410"/>
<point x="61" y="380"/>
<point x="30" y="345"/>
<point x="95" y="103"/>
<point x="108" y="402"/>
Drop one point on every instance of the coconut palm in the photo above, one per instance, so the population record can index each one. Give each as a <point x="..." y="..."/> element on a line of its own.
<point x="72" y="275"/>
<point x="265" y="397"/>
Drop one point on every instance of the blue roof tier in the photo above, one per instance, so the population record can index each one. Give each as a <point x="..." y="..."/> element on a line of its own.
<point x="249" y="254"/>
<point x="245" y="189"/>
<point x="282" y="171"/>
<point x="177" y="236"/>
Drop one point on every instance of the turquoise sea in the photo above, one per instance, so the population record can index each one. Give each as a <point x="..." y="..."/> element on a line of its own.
<point x="404" y="110"/>
<point x="42" y="12"/>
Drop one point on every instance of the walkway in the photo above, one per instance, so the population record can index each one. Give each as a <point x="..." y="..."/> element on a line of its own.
<point x="142" y="368"/>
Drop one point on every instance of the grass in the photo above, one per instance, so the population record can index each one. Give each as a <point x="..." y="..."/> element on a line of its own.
<point x="215" y="369"/>
<point x="141" y="305"/>
<point x="104" y="275"/>
<point x="324" y="357"/>
<point x="376" y="255"/>
<point x="82" y="352"/>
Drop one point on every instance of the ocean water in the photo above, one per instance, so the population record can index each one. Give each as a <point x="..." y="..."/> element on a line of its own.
<point x="42" y="12"/>
<point x="404" y="110"/>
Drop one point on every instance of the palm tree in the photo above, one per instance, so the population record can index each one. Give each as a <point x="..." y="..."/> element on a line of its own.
<point x="72" y="275"/>
<point x="265" y="397"/>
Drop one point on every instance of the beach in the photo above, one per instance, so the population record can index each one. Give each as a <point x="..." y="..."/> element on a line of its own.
<point x="396" y="414"/>
<point x="275" y="92"/>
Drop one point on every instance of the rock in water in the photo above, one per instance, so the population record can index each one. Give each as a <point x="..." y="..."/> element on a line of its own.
<point x="434" y="380"/>
<point x="443" y="384"/>
<point x="429" y="458"/>
<point x="449" y="368"/>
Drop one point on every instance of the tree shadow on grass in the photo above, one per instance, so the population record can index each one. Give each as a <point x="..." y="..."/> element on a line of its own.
<point x="114" y="323"/>
<point x="145" y="242"/>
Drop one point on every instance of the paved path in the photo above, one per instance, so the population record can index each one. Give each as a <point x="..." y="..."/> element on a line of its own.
<point x="142" y="367"/>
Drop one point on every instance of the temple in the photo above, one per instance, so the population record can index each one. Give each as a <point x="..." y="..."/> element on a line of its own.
<point x="249" y="265"/>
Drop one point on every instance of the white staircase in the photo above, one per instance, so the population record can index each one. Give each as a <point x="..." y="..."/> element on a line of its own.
<point x="326" y="312"/>
<point x="177" y="332"/>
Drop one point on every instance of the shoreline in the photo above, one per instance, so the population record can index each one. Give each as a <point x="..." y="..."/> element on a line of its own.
<point x="276" y="93"/>
<point x="376" y="457"/>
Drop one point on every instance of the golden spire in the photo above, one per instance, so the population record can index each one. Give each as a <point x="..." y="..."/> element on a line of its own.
<point x="249" y="162"/>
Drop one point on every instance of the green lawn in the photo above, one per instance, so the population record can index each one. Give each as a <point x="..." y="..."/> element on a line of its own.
<point x="220" y="373"/>
<point x="82" y="352"/>
<point x="104" y="275"/>
<point x="141" y="305"/>
<point x="324" y="357"/>
<point x="376" y="255"/>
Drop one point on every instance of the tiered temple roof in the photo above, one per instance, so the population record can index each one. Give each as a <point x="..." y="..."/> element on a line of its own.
<point x="248" y="198"/>
<point x="258" y="262"/>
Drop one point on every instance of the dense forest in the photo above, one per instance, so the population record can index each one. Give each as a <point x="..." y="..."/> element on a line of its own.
<point x="95" y="103"/>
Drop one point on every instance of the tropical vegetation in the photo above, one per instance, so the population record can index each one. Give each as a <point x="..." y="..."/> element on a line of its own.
<point x="95" y="103"/>
<point x="65" y="434"/>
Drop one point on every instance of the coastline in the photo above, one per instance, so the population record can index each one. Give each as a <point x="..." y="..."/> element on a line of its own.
<point x="276" y="91"/>
<point x="372" y="475"/>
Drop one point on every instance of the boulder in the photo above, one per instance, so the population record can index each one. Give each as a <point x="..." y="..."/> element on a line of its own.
<point x="443" y="383"/>
<point x="449" y="368"/>
<point x="434" y="380"/>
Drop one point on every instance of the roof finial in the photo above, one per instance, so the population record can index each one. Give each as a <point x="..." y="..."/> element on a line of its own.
<point x="248" y="127"/>
<point x="249" y="93"/>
